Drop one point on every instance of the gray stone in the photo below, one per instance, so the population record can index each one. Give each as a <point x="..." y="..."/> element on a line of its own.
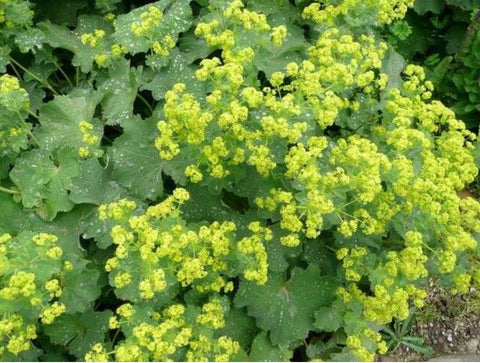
<point x="456" y="358"/>
<point x="472" y="345"/>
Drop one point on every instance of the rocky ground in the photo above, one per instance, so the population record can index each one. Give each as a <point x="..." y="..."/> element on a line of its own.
<point x="449" y="324"/>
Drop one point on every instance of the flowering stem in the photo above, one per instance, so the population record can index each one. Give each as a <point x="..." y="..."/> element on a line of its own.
<point x="63" y="74"/>
<point x="32" y="113"/>
<point x="77" y="75"/>
<point x="145" y="102"/>
<point x="9" y="191"/>
<point x="29" y="132"/>
<point x="45" y="83"/>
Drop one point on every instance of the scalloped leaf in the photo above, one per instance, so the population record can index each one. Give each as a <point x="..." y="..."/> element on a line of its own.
<point x="264" y="351"/>
<point x="137" y="165"/>
<point x="286" y="308"/>
<point x="177" y="17"/>
<point x="59" y="120"/>
<point x="62" y="37"/>
<point x="119" y="86"/>
<point x="80" y="287"/>
<point x="44" y="182"/>
<point x="80" y="331"/>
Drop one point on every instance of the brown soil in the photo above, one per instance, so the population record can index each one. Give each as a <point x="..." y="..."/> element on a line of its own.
<point x="449" y="324"/>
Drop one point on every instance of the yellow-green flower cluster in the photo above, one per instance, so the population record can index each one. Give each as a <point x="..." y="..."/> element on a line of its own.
<point x="149" y="20"/>
<point x="364" y="165"/>
<point x="314" y="207"/>
<point x="353" y="263"/>
<point x="51" y="312"/>
<point x="93" y="39"/>
<point x="8" y="84"/>
<point x="278" y="35"/>
<point x="117" y="210"/>
<point x="185" y="121"/>
<point x="224" y="39"/>
<point x="253" y="248"/>
<point x="385" y="11"/>
<point x="16" y="334"/>
<point x="358" y="343"/>
<point x="10" y="136"/>
<point x="29" y="297"/>
<point x="389" y="178"/>
<point x="104" y="55"/>
<point x="153" y="255"/>
<point x="97" y="354"/>
<point x="88" y="138"/>
<point x="9" y="14"/>
<point x="165" y="335"/>
<point x="163" y="48"/>
<point x="237" y="13"/>
<point x="12" y="96"/>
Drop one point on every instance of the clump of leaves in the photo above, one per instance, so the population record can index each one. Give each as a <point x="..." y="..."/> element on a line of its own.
<point x="222" y="180"/>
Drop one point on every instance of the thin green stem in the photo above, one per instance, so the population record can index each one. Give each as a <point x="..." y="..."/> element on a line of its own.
<point x="15" y="71"/>
<point x="34" y="115"/>
<point x="30" y="133"/>
<point x="57" y="78"/>
<point x="145" y="102"/>
<point x="330" y="248"/>
<point x="44" y="82"/>
<point x="63" y="74"/>
<point x="9" y="191"/>
<point x="23" y="126"/>
<point x="115" y="337"/>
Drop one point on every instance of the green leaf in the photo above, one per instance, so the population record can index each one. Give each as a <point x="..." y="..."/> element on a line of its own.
<point x="64" y="14"/>
<point x="80" y="287"/>
<point x="12" y="211"/>
<point x="30" y="41"/>
<point x="286" y="308"/>
<point x="79" y="331"/>
<point x="11" y="145"/>
<point x="278" y="11"/>
<point x="264" y="351"/>
<point x="441" y="70"/>
<point x="328" y="319"/>
<point x="22" y="253"/>
<point x="468" y="5"/>
<point x="93" y="184"/>
<point x="178" y="70"/>
<point x="319" y="349"/>
<point x="68" y="227"/>
<point x="191" y="47"/>
<point x="176" y="19"/>
<point x="4" y="60"/>
<point x="424" y="6"/>
<point x="393" y="65"/>
<point x="455" y="38"/>
<point x="42" y="183"/>
<point x="30" y="355"/>
<point x="137" y="165"/>
<point x="316" y="252"/>
<point x="204" y="205"/>
<point x="120" y="89"/>
<point x="60" y="118"/>
<point x="106" y="5"/>
<point x="61" y="37"/>
<point x="240" y="327"/>
<point x="272" y="59"/>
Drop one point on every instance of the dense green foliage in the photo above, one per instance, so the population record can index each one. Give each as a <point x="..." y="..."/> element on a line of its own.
<point x="227" y="180"/>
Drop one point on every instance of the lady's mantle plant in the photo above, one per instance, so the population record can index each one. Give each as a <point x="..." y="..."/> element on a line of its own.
<point x="221" y="180"/>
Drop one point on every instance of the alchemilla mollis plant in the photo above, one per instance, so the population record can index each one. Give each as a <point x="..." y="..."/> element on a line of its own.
<point x="218" y="180"/>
